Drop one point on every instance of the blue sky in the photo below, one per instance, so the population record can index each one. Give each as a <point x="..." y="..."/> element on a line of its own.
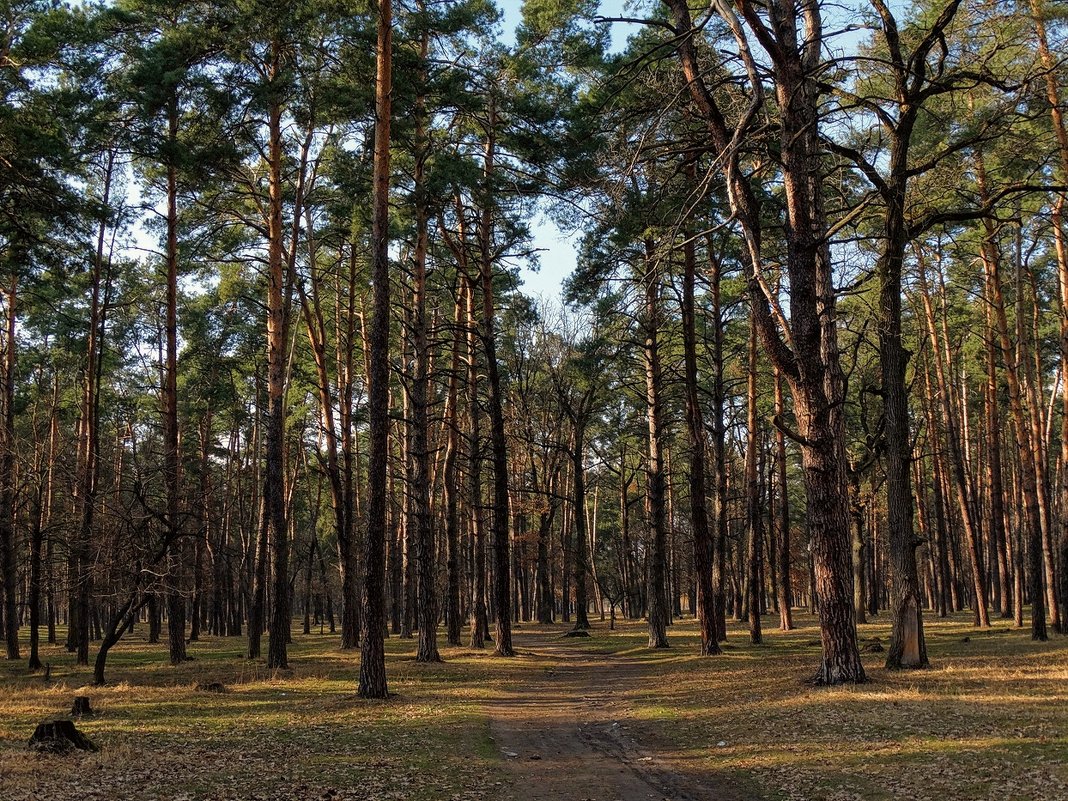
<point x="558" y="250"/>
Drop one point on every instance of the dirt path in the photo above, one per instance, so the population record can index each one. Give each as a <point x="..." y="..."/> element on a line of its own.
<point x="566" y="734"/>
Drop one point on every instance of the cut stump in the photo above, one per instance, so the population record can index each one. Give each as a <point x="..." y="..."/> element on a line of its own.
<point x="81" y="707"/>
<point x="59" y="737"/>
<point x="212" y="687"/>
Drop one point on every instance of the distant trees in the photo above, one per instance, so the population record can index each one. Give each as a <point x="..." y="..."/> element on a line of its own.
<point x="264" y="353"/>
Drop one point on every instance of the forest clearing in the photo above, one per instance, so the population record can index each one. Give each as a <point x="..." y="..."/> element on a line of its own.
<point x="602" y="718"/>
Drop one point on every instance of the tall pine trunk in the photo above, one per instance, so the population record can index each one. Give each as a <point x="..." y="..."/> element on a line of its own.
<point x="372" y="651"/>
<point x="656" y="478"/>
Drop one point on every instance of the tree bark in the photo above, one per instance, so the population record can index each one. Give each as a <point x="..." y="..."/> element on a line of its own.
<point x="703" y="546"/>
<point x="782" y="517"/>
<point x="172" y="467"/>
<point x="372" y="652"/>
<point x="419" y="457"/>
<point x="754" y="514"/>
<point x="8" y="555"/>
<point x="656" y="480"/>
<point x="498" y="441"/>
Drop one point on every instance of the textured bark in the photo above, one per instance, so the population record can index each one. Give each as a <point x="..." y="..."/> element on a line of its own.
<point x="8" y="555"/>
<point x="274" y="493"/>
<point x="581" y="547"/>
<point x="719" y="449"/>
<point x="372" y="651"/>
<point x="908" y="647"/>
<point x="703" y="547"/>
<point x="479" y="616"/>
<point x="994" y="483"/>
<point x="450" y="487"/>
<point x="656" y="478"/>
<point x="1021" y="418"/>
<point x="1038" y="15"/>
<point x="754" y="514"/>
<point x="498" y="441"/>
<point x="419" y="422"/>
<point x="782" y="517"/>
<point x="857" y="511"/>
<point x="258" y="602"/>
<point x="172" y="466"/>
<point x="88" y="451"/>
<point x="804" y="347"/>
<point x="957" y="470"/>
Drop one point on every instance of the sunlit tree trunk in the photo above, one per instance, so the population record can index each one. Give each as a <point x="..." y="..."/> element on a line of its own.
<point x="656" y="478"/>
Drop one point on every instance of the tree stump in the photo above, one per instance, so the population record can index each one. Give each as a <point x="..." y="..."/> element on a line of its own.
<point x="59" y="737"/>
<point x="81" y="707"/>
<point x="212" y="687"/>
<point x="578" y="633"/>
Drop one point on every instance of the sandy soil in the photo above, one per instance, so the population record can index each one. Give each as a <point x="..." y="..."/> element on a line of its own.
<point x="568" y="735"/>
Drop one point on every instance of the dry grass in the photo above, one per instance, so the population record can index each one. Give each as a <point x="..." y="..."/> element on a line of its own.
<point x="301" y="733"/>
<point x="989" y="720"/>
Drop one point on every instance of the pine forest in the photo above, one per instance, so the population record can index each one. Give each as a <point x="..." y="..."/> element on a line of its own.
<point x="549" y="400"/>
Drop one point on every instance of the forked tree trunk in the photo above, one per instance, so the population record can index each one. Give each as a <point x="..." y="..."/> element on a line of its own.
<point x="805" y="346"/>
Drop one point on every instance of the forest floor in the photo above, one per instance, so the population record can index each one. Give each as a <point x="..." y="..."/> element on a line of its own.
<point x="569" y="719"/>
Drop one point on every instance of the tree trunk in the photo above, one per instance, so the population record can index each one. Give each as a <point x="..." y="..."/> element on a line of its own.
<point x="908" y="648"/>
<point x="580" y="548"/>
<point x="175" y="567"/>
<point x="451" y="488"/>
<point x="782" y="517"/>
<point x="957" y="469"/>
<point x="80" y="558"/>
<point x="479" y="618"/>
<point x="419" y="457"/>
<point x="8" y="554"/>
<point x="754" y="514"/>
<point x="1028" y="467"/>
<point x="274" y="494"/>
<point x="703" y="546"/>
<point x="372" y="651"/>
<point x="498" y="442"/>
<point x="1038" y="14"/>
<point x="656" y="487"/>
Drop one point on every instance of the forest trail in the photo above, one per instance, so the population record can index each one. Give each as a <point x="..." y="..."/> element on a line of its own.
<point x="566" y="734"/>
